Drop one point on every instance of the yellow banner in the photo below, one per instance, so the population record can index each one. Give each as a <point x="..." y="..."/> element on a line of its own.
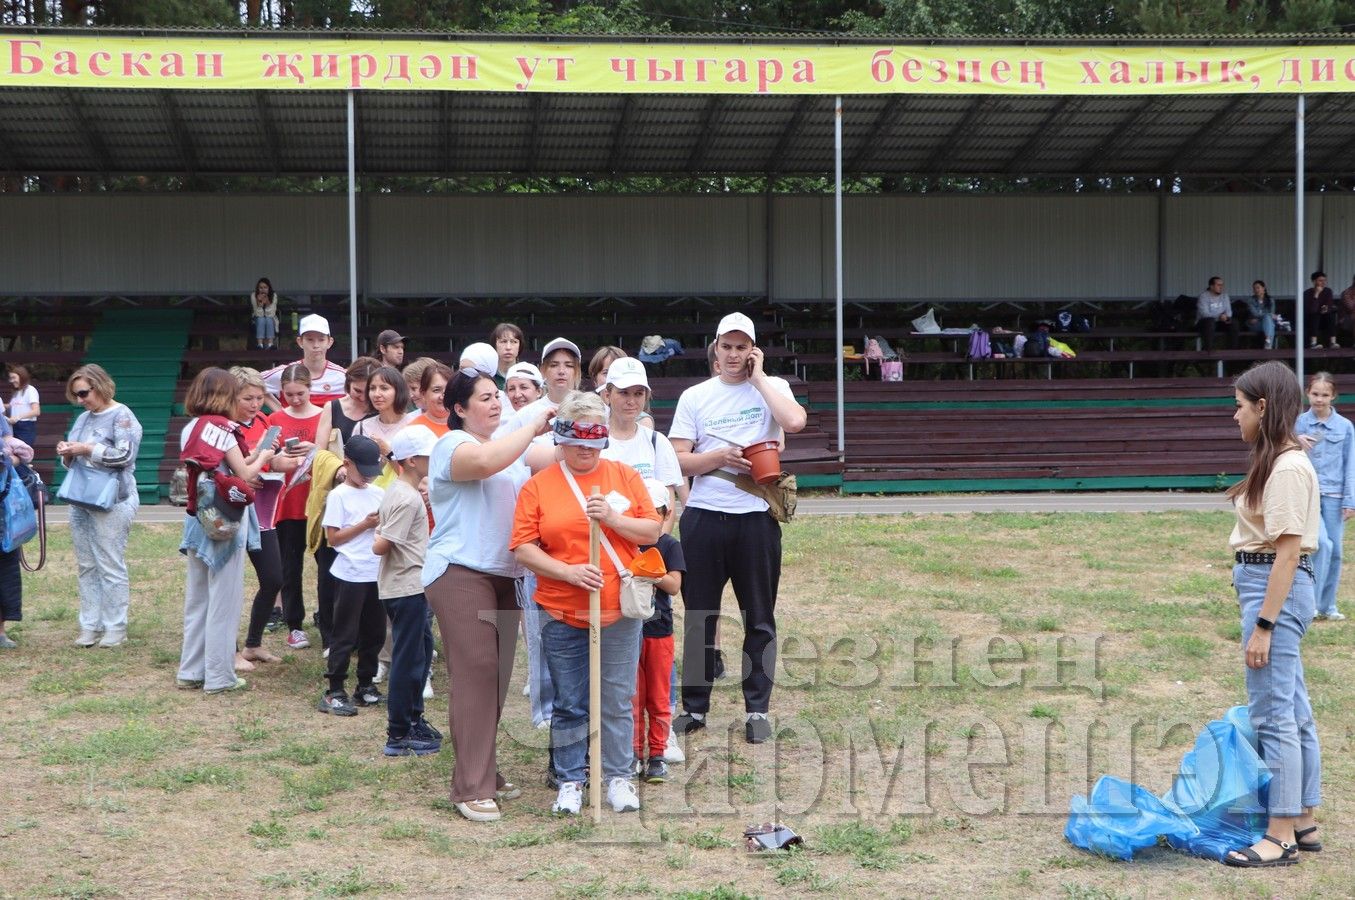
<point x="290" y="63"/>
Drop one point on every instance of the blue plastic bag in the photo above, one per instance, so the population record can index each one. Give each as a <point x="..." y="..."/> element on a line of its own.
<point x="1118" y="818"/>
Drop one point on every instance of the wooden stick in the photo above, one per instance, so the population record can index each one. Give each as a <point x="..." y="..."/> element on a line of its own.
<point x="595" y="673"/>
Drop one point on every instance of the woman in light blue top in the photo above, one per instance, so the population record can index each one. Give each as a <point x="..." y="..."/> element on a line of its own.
<point x="1329" y="439"/>
<point x="105" y="438"/>
<point x="1261" y="312"/>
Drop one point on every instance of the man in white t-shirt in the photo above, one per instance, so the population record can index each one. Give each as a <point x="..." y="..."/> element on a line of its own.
<point x="327" y="378"/>
<point x="727" y="534"/>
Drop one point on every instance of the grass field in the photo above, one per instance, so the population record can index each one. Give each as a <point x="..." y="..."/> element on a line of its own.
<point x="946" y="682"/>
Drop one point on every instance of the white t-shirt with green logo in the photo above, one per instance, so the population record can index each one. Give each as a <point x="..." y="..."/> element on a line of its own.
<point x="713" y="415"/>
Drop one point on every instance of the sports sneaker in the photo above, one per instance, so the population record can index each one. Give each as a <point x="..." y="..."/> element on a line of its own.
<point x="672" y="751"/>
<point x="569" y="800"/>
<point x="428" y="688"/>
<point x="656" y="772"/>
<point x="411" y="745"/>
<point x="507" y="791"/>
<point x="381" y="671"/>
<point x="114" y="637"/>
<point x="240" y="685"/>
<point x="7" y="643"/>
<point x="757" y="729"/>
<point x="367" y="695"/>
<point x="274" y="621"/>
<point x="336" y="703"/>
<point x="637" y="767"/>
<point x="424" y="729"/>
<point x="622" y="796"/>
<point x="297" y="640"/>
<point x="188" y="684"/>
<point x="1335" y="616"/>
<point x="88" y="638"/>
<point x="688" y="722"/>
<point x="480" y="810"/>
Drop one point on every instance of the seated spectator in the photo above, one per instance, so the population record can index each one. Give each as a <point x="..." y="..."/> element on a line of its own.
<point x="1212" y="309"/>
<point x="1320" y="307"/>
<point x="1261" y="313"/>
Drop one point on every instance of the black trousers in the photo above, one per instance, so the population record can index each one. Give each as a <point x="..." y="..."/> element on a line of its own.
<point x="359" y="626"/>
<point x="1324" y="328"/>
<point x="1207" y="328"/>
<point x="324" y="592"/>
<point x="743" y="548"/>
<point x="411" y="655"/>
<point x="11" y="588"/>
<point x="268" y="569"/>
<point x="292" y="552"/>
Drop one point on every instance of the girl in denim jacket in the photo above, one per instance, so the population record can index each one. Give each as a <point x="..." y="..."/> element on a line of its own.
<point x="1329" y="439"/>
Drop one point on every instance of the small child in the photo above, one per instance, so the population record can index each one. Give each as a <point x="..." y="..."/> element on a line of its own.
<point x="652" y="682"/>
<point x="359" y="622"/>
<point x="1329" y="439"/>
<point x="401" y="539"/>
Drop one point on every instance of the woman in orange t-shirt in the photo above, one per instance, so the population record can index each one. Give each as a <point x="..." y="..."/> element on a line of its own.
<point x="550" y="537"/>
<point x="432" y="387"/>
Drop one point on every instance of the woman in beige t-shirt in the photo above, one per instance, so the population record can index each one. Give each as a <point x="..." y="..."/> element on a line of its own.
<point x="1278" y="517"/>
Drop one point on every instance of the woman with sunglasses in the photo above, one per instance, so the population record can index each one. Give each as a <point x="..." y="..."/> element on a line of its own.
<point x="551" y="537"/>
<point x="469" y="578"/>
<point x="104" y="440"/>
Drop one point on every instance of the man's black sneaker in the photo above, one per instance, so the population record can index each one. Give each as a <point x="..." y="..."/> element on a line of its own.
<point x="274" y="621"/>
<point x="411" y="745"/>
<point x="656" y="772"/>
<point x="719" y="665"/>
<point x="367" y="695"/>
<point x="757" y="729"/>
<point x="424" y="729"/>
<point x="336" y="703"/>
<point x="687" y="723"/>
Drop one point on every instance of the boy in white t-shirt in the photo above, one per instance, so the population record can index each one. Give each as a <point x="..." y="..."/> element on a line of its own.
<point x="358" y="622"/>
<point x="727" y="533"/>
<point x="401" y="541"/>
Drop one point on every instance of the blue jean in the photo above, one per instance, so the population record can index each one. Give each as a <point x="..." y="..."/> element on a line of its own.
<point x="1266" y="326"/>
<point x="411" y="654"/>
<point x="1327" y="560"/>
<point x="1277" y="697"/>
<point x="539" y="686"/>
<point x="265" y="328"/>
<point x="566" y="649"/>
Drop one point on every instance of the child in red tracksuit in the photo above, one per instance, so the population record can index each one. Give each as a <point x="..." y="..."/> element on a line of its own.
<point x="652" y="682"/>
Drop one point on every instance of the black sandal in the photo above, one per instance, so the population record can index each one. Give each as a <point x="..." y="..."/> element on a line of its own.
<point x="1289" y="857"/>
<point x="1307" y="846"/>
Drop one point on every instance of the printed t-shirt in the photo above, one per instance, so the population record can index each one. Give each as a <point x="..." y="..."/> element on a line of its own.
<point x="292" y="503"/>
<point x="739" y="414"/>
<point x="404" y="523"/>
<point x="23" y="402"/>
<point x="473" y="519"/>
<point x="661" y="623"/>
<point x="649" y="453"/>
<point x="347" y="505"/>
<point x="270" y="486"/>
<point x="203" y="444"/>
<point x="550" y="514"/>
<point x="323" y="389"/>
<point x="1290" y="505"/>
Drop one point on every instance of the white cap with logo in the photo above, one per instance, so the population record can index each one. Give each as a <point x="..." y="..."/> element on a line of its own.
<point x="627" y="372"/>
<point x="736" y="322"/>
<point x="313" y="322"/>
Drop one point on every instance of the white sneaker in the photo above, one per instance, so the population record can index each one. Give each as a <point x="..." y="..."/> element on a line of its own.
<point x="87" y="638"/>
<point x="1336" y="616"/>
<point x="526" y="690"/>
<point x="672" y="751"/>
<point x="380" y="673"/>
<point x="621" y="795"/>
<point x="428" y="688"/>
<point x="570" y="798"/>
<point x="113" y="637"/>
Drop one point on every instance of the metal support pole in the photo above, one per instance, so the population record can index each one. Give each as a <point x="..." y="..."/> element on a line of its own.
<point x="352" y="238"/>
<point x="1298" y="238"/>
<point x="837" y="259"/>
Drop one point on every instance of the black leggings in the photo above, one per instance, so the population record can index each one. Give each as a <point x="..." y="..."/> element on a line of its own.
<point x="292" y="549"/>
<point x="268" y="569"/>
<point x="324" y="591"/>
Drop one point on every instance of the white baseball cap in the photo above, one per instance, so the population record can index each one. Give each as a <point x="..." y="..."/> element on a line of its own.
<point x="413" y="440"/>
<point x="736" y="322"/>
<point x="313" y="323"/>
<point x="658" y="492"/>
<point x="627" y="372"/>
<point x="525" y="370"/>
<point x="561" y="344"/>
<point x="483" y="357"/>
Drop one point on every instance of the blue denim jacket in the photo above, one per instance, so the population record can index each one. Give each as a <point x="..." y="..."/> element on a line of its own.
<point x="1333" y="456"/>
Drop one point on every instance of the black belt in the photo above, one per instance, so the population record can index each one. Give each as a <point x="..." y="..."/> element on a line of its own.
<point x="1268" y="559"/>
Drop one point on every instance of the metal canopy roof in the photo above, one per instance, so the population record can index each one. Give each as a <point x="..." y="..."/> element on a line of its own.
<point x="100" y="131"/>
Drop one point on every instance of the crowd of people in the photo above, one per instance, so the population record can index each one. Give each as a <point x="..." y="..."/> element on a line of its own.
<point x="458" y="501"/>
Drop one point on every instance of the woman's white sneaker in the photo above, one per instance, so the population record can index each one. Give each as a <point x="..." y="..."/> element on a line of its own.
<point x="672" y="751"/>
<point x="622" y="796"/>
<point x="570" y="798"/>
